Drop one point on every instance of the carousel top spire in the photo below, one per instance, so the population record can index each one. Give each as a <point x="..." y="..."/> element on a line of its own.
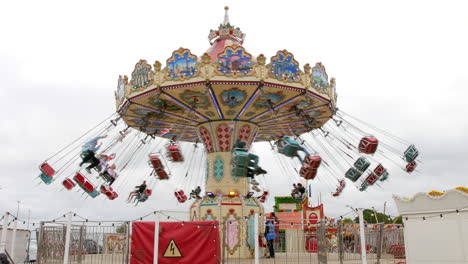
<point x="226" y="31"/>
<point x="226" y="16"/>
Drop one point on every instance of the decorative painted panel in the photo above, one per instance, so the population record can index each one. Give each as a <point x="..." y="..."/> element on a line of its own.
<point x="284" y="67"/>
<point x="268" y="99"/>
<point x="205" y="135"/>
<point x="164" y="105"/>
<point x="235" y="61"/>
<point x="233" y="97"/>
<point x="251" y="233"/>
<point x="218" y="168"/>
<point x="182" y="64"/>
<point x="319" y="77"/>
<point x="232" y="233"/>
<point x="224" y="135"/>
<point x="141" y="75"/>
<point x="195" y="99"/>
<point x="120" y="94"/>
<point x="244" y="133"/>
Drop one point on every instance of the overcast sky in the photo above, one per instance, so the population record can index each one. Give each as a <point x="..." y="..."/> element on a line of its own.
<point x="400" y="65"/>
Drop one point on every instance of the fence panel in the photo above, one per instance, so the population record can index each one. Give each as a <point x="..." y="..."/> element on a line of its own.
<point x="90" y="243"/>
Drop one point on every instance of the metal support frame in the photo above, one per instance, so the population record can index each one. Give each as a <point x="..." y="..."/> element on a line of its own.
<point x="4" y="233"/>
<point x="362" y="234"/>
<point x="13" y="239"/>
<point x="67" y="238"/>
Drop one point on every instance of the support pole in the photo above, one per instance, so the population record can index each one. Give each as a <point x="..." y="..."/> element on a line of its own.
<point x="256" y="233"/>
<point x="156" y="242"/>
<point x="13" y="240"/>
<point x="67" y="238"/>
<point x="4" y="233"/>
<point x="362" y="235"/>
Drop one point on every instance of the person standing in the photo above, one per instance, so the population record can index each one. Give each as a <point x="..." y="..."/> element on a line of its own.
<point x="270" y="236"/>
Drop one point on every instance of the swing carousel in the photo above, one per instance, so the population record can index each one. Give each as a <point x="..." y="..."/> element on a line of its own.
<point x="201" y="115"/>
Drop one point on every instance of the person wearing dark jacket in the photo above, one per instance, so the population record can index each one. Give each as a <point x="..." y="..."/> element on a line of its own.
<point x="270" y="235"/>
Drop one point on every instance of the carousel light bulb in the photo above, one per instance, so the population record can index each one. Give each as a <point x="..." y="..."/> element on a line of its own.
<point x="232" y="193"/>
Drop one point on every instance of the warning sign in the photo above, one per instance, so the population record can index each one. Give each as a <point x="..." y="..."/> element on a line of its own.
<point x="172" y="251"/>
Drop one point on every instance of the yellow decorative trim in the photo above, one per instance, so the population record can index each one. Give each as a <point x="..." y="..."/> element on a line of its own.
<point x="462" y="189"/>
<point x="435" y="193"/>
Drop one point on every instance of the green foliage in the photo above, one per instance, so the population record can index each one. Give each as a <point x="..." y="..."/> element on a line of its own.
<point x="122" y="229"/>
<point x="371" y="218"/>
<point x="347" y="221"/>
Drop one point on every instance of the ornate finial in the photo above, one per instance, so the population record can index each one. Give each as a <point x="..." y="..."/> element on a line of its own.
<point x="157" y="66"/>
<point x="261" y="59"/>
<point x="206" y="59"/>
<point x="226" y="30"/>
<point x="226" y="16"/>
<point x="307" y="68"/>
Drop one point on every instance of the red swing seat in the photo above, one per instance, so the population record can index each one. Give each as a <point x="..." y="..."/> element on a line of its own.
<point x="313" y="161"/>
<point x="68" y="184"/>
<point x="368" y="145"/>
<point x="47" y="169"/>
<point x="307" y="172"/>
<point x="263" y="197"/>
<point x="372" y="178"/>
<point x="173" y="152"/>
<point x="155" y="161"/>
<point x="379" y="170"/>
<point x="79" y="178"/>
<point x="411" y="166"/>
<point x="87" y="186"/>
<point x="180" y="195"/>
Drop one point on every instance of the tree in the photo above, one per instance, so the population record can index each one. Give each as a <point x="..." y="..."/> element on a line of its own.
<point x="372" y="218"/>
<point x="122" y="229"/>
<point x="347" y="221"/>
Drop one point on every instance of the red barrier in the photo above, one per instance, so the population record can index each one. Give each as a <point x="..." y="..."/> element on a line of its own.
<point x="179" y="242"/>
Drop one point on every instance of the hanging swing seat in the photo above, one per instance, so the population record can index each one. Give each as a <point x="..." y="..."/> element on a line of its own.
<point x="368" y="145"/>
<point x="379" y="170"/>
<point x="155" y="162"/>
<point x="339" y="189"/>
<point x="411" y="166"/>
<point x="109" y="192"/>
<point x="361" y="164"/>
<point x="307" y="172"/>
<point x="161" y="174"/>
<point x="180" y="195"/>
<point x="371" y="178"/>
<point x="105" y="176"/>
<point x="312" y="161"/>
<point x="384" y="176"/>
<point x="86" y="185"/>
<point x="288" y="147"/>
<point x="174" y="153"/>
<point x="47" y="172"/>
<point x="68" y="184"/>
<point x="263" y="197"/>
<point x="243" y="158"/>
<point x="47" y="169"/>
<point x="143" y="197"/>
<point x="353" y="174"/>
<point x="46" y="179"/>
<point x="242" y="171"/>
<point x="411" y="153"/>
<point x="364" y="186"/>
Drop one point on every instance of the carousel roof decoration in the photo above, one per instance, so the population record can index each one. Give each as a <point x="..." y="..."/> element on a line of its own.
<point x="221" y="98"/>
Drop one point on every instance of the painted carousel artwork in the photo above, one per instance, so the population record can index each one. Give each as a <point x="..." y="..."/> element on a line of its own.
<point x="182" y="64"/>
<point x="235" y="60"/>
<point x="319" y="77"/>
<point x="284" y="67"/>
<point x="204" y="116"/>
